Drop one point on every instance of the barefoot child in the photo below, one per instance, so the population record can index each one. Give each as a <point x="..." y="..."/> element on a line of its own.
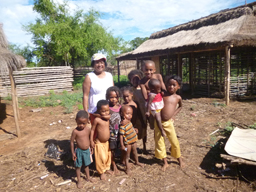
<point x="113" y="97"/>
<point x="155" y="102"/>
<point x="149" y="70"/>
<point x="141" y="122"/>
<point x="171" y="99"/>
<point x="128" y="137"/>
<point x="100" y="144"/>
<point x="82" y="155"/>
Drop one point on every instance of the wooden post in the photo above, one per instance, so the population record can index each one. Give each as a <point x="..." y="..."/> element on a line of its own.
<point x="137" y="62"/>
<point x="14" y="103"/>
<point x="227" y="74"/>
<point x="118" y="72"/>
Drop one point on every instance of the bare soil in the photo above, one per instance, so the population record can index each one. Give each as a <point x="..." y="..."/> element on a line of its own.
<point x="22" y="160"/>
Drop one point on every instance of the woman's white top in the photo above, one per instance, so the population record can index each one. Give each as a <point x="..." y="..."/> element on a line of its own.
<point x="98" y="89"/>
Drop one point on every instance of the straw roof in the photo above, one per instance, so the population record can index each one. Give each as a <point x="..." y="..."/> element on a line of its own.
<point x="231" y="26"/>
<point x="8" y="60"/>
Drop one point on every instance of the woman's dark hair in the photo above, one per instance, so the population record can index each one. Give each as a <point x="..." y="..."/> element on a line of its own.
<point x="92" y="63"/>
<point x="115" y="89"/>
<point x="127" y="88"/>
<point x="175" y="77"/>
<point x="137" y="72"/>
<point x="101" y="103"/>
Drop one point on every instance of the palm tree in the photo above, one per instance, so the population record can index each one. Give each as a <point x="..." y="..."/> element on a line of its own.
<point x="10" y="62"/>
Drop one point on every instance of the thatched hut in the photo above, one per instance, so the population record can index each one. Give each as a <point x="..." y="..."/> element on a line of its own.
<point x="214" y="55"/>
<point x="10" y="62"/>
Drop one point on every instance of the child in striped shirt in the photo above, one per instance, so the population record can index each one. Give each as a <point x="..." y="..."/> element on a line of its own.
<point x="128" y="137"/>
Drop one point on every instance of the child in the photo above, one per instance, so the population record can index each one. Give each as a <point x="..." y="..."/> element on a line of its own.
<point x="128" y="137"/>
<point x="141" y="122"/>
<point x="155" y="102"/>
<point x="127" y="96"/>
<point x="100" y="144"/>
<point x="113" y="96"/>
<point x="82" y="156"/>
<point x="149" y="70"/>
<point x="171" y="99"/>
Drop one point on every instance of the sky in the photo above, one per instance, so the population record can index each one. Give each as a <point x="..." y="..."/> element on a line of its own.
<point x="123" y="18"/>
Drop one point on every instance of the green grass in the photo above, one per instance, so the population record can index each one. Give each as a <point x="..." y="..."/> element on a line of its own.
<point x="65" y="99"/>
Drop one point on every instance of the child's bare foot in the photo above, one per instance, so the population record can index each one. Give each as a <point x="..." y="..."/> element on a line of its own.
<point x="128" y="172"/>
<point x="79" y="185"/>
<point x="109" y="172"/>
<point x="116" y="171"/>
<point x="181" y="163"/>
<point x="103" y="177"/>
<point x="91" y="180"/>
<point x="165" y="166"/>
<point x="140" y="164"/>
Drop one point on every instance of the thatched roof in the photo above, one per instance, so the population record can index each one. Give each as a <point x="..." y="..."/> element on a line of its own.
<point x="8" y="60"/>
<point x="231" y="26"/>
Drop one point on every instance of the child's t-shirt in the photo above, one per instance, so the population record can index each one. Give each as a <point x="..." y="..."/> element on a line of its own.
<point x="128" y="133"/>
<point x="114" y="122"/>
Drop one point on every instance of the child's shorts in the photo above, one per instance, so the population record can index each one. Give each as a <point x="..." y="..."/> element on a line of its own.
<point x="114" y="144"/>
<point x="83" y="157"/>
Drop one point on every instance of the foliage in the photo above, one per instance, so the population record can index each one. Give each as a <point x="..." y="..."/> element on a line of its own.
<point x="66" y="99"/>
<point x="135" y="43"/>
<point x="26" y="52"/>
<point x="8" y="98"/>
<point x="124" y="81"/>
<point x="62" y="38"/>
<point x="78" y="83"/>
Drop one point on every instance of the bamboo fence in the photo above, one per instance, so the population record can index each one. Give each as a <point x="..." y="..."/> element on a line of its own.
<point x="39" y="81"/>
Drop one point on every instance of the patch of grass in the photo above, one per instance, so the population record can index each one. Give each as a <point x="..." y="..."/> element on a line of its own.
<point x="80" y="107"/>
<point x="216" y="104"/>
<point x="78" y="83"/>
<point x="65" y="99"/>
<point x="252" y="126"/>
<point x="8" y="98"/>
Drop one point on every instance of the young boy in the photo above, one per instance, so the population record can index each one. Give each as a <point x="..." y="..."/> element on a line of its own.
<point x="128" y="137"/>
<point x="82" y="156"/>
<point x="100" y="144"/>
<point x="149" y="70"/>
<point x="171" y="99"/>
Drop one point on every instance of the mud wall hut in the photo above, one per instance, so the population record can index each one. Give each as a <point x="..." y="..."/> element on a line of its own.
<point x="214" y="55"/>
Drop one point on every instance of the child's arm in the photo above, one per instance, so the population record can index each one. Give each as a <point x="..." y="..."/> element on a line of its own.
<point x="92" y="144"/>
<point x="122" y="142"/>
<point x="160" y="78"/>
<point x="105" y="117"/>
<point x="151" y="97"/>
<point x="179" y="107"/>
<point x="144" y="91"/>
<point x="73" y="136"/>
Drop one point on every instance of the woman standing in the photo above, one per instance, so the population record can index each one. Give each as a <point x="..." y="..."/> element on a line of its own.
<point x="96" y="84"/>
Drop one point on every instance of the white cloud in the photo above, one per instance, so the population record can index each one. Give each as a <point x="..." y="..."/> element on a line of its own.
<point x="129" y="18"/>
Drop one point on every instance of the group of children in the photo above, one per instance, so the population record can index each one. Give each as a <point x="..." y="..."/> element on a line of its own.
<point x="119" y="126"/>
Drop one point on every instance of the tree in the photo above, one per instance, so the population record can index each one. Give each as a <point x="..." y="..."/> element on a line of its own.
<point x="26" y="52"/>
<point x="135" y="43"/>
<point x="62" y="39"/>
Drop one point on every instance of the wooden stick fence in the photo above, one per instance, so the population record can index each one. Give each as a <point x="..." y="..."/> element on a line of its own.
<point x="39" y="81"/>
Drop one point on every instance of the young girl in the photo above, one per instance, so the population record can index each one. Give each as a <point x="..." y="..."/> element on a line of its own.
<point x="141" y="122"/>
<point x="113" y="97"/>
<point x="155" y="102"/>
<point x="128" y="100"/>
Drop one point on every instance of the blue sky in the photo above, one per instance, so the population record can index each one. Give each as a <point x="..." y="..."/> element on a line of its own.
<point x="124" y="18"/>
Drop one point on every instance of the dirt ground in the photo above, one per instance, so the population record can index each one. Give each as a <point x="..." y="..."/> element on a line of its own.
<point x="22" y="160"/>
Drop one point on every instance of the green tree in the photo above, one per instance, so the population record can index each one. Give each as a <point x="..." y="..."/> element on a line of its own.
<point x="26" y="52"/>
<point x="137" y="42"/>
<point x="64" y="39"/>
